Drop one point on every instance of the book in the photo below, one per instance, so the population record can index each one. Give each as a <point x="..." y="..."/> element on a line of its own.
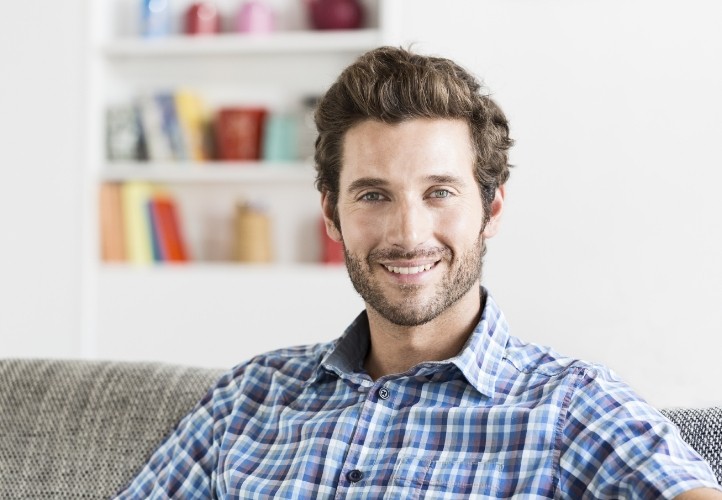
<point x="192" y="122"/>
<point x="124" y="136"/>
<point x="136" y="224"/>
<point x="170" y="125"/>
<point x="167" y="229"/>
<point x="112" y="238"/>
<point x="154" y="232"/>
<point x="157" y="141"/>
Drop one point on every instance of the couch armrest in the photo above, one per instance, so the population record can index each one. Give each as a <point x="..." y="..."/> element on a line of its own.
<point x="80" y="429"/>
<point x="702" y="429"/>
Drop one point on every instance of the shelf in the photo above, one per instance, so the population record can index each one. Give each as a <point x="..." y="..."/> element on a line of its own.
<point x="210" y="269"/>
<point x="162" y="302"/>
<point x="230" y="44"/>
<point x="247" y="309"/>
<point x="293" y="172"/>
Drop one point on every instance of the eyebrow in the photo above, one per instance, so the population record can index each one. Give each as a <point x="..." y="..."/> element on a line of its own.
<point x="374" y="182"/>
<point x="366" y="182"/>
<point x="446" y="179"/>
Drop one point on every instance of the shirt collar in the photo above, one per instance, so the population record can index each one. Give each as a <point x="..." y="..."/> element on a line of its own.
<point x="346" y="356"/>
<point x="481" y="357"/>
<point x="479" y="360"/>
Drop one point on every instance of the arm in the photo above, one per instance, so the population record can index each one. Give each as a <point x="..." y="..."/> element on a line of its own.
<point x="615" y="445"/>
<point x="700" y="494"/>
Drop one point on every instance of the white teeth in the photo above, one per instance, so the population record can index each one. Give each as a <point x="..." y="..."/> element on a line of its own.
<point x="409" y="270"/>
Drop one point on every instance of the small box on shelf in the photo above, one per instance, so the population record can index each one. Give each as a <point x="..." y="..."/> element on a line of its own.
<point x="252" y="234"/>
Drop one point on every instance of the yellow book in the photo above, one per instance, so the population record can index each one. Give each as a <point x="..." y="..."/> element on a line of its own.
<point x="138" y="243"/>
<point x="192" y="119"/>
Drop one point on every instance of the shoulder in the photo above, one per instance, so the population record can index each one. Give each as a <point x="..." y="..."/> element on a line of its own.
<point x="579" y="383"/>
<point x="287" y="367"/>
<point x="531" y="358"/>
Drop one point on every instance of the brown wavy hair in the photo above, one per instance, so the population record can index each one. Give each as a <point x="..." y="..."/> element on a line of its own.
<point x="392" y="85"/>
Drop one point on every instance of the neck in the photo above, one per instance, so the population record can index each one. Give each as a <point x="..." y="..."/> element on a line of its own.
<point x="395" y="349"/>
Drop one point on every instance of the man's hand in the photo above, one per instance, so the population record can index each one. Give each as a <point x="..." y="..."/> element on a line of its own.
<point x="701" y="494"/>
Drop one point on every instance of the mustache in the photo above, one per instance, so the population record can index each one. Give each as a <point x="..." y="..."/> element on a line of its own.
<point x="383" y="254"/>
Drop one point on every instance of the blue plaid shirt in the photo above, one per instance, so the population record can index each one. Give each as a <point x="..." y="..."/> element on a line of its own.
<point x="503" y="418"/>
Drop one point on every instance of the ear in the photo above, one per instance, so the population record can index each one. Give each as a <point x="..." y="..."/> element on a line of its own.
<point x="496" y="209"/>
<point x="328" y="217"/>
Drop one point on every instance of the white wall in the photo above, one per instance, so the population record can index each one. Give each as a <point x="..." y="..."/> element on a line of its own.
<point x="612" y="245"/>
<point x="41" y="112"/>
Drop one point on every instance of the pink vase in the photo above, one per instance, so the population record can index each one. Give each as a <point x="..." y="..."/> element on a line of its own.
<point x="335" y="14"/>
<point x="255" y="16"/>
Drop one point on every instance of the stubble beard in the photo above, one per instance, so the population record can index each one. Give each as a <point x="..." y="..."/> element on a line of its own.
<point x="463" y="273"/>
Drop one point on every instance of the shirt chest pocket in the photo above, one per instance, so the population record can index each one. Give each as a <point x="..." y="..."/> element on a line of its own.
<point x="428" y="478"/>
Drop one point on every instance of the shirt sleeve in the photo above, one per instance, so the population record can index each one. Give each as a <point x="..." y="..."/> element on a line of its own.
<point x="184" y="465"/>
<point x="615" y="445"/>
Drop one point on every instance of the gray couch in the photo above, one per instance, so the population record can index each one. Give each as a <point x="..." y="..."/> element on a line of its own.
<point x="80" y="429"/>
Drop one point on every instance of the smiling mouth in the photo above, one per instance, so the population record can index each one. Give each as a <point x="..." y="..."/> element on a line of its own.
<point x="410" y="270"/>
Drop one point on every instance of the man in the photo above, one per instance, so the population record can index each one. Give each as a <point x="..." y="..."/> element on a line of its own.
<point x="426" y="394"/>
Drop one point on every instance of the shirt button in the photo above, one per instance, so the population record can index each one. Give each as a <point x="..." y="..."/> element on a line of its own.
<point x="384" y="393"/>
<point x="354" y="475"/>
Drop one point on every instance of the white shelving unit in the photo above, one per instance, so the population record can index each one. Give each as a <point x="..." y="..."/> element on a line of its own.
<point x="298" y="42"/>
<point x="126" y="306"/>
<point x="193" y="172"/>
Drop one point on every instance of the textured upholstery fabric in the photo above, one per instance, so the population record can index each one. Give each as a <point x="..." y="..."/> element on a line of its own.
<point x="702" y="429"/>
<point x="78" y="429"/>
<point x="82" y="430"/>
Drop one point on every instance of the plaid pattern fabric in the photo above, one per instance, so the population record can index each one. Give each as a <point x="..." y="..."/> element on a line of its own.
<point x="504" y="418"/>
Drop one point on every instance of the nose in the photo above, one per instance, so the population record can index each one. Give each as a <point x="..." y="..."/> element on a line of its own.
<point x="408" y="225"/>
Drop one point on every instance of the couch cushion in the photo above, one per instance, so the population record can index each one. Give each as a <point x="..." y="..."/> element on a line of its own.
<point x="80" y="429"/>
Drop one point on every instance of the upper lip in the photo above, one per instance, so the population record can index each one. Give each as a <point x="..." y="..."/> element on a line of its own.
<point x="416" y="263"/>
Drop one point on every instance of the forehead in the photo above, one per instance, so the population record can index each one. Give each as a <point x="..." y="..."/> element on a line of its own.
<point x="402" y="152"/>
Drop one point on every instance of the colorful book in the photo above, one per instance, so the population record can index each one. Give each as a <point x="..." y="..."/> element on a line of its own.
<point x="154" y="232"/>
<point x="136" y="224"/>
<point x="112" y="239"/>
<point x="171" y="127"/>
<point x="167" y="229"/>
<point x="192" y="122"/>
<point x="157" y="142"/>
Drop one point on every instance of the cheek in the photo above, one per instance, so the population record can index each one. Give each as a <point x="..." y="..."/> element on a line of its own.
<point x="458" y="226"/>
<point x="359" y="229"/>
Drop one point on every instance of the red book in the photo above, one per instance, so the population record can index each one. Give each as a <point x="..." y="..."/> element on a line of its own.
<point x="170" y="238"/>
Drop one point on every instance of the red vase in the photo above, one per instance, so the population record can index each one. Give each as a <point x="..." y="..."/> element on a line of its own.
<point x="202" y="18"/>
<point x="336" y="14"/>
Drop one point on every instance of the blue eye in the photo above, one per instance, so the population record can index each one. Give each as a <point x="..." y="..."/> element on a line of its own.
<point x="440" y="193"/>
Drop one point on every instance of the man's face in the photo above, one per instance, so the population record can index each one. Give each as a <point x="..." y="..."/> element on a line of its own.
<point x="411" y="217"/>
